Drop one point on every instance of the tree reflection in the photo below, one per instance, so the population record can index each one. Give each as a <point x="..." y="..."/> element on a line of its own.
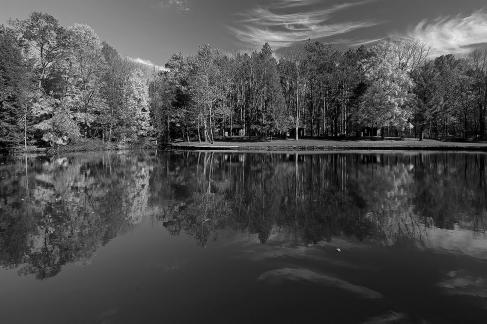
<point x="61" y="210"/>
<point x="391" y="199"/>
<point x="71" y="208"/>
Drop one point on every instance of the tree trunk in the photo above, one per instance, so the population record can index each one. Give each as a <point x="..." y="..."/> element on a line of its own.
<point x="168" y="131"/>
<point x="26" y="175"/>
<point x="210" y="128"/>
<point x="205" y="125"/>
<point x="199" y="129"/>
<point x="297" y="101"/>
<point x="481" y="121"/>
<point x="25" y="130"/>
<point x="324" y="116"/>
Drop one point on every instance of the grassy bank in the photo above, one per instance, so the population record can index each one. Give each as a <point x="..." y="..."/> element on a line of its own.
<point x="330" y="145"/>
<point x="84" y="146"/>
<point x="315" y="145"/>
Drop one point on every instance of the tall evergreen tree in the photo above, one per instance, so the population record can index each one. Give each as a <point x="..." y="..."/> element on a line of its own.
<point x="14" y="90"/>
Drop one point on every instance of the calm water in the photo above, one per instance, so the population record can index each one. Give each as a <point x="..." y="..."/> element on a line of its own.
<point x="244" y="238"/>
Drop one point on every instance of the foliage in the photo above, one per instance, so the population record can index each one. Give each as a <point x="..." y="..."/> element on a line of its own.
<point x="14" y="90"/>
<point x="82" y="96"/>
<point x="62" y="85"/>
<point x="84" y="88"/>
<point x="386" y="100"/>
<point x="137" y="114"/>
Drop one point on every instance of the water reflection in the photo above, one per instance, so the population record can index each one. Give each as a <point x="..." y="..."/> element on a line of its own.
<point x="390" y="199"/>
<point x="63" y="209"/>
<point x="57" y="211"/>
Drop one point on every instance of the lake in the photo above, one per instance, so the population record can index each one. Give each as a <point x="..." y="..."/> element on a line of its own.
<point x="203" y="237"/>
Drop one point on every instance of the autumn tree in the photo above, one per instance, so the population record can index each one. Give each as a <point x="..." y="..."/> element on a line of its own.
<point x="478" y="63"/>
<point x="45" y="44"/>
<point x="294" y="57"/>
<point x="113" y="82"/>
<point x="44" y="41"/>
<point x="137" y="112"/>
<point x="86" y="64"/>
<point x="206" y="89"/>
<point x="386" y="101"/>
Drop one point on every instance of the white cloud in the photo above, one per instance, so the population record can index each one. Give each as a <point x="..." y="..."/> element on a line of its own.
<point x="298" y="22"/>
<point x="364" y="42"/>
<point x="389" y="317"/>
<point x="147" y="63"/>
<point x="452" y="35"/>
<point x="464" y="284"/>
<point x="294" y="3"/>
<point x="302" y="274"/>
<point x="181" y="5"/>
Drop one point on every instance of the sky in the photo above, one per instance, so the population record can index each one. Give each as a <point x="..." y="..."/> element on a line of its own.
<point x="153" y="30"/>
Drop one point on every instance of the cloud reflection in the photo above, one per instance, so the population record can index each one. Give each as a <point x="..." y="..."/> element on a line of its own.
<point x="301" y="274"/>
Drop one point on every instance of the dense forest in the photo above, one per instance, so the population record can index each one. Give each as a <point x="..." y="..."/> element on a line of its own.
<point x="61" y="85"/>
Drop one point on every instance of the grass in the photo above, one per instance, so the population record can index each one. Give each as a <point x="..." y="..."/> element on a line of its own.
<point x="87" y="145"/>
<point x="327" y="145"/>
<point x="316" y="145"/>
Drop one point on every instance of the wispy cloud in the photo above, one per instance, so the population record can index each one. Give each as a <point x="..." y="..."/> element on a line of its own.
<point x="294" y="3"/>
<point x="181" y="5"/>
<point x="389" y="317"/>
<point x="302" y="274"/>
<point x="464" y="284"/>
<point x="147" y="63"/>
<point x="285" y="22"/>
<point x="364" y="42"/>
<point x="452" y="35"/>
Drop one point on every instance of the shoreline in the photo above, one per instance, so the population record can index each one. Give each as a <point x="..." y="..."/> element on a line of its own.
<point x="314" y="145"/>
<point x="51" y="151"/>
<point x="276" y="146"/>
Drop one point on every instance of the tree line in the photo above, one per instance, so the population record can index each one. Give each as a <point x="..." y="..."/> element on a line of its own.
<point x="393" y="87"/>
<point x="63" y="84"/>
